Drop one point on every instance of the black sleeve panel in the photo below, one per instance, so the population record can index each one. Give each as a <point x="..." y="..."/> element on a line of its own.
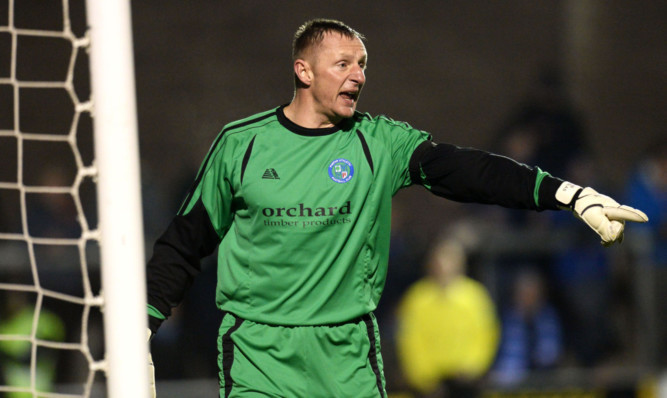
<point x="176" y="259"/>
<point x="472" y="175"/>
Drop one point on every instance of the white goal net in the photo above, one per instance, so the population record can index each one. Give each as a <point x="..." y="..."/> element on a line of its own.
<point x="59" y="324"/>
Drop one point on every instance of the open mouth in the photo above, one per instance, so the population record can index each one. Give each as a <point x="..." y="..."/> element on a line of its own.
<point x="350" y="95"/>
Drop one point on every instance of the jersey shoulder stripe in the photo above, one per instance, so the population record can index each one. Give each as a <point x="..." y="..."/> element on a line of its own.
<point x="383" y="121"/>
<point x="229" y="128"/>
<point x="258" y="117"/>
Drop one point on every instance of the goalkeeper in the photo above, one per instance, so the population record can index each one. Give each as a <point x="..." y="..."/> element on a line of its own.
<point x="298" y="200"/>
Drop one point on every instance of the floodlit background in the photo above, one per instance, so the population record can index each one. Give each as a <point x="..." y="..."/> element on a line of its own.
<point x="577" y="87"/>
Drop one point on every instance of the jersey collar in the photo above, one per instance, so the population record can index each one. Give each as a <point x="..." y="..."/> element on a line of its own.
<point x="295" y="128"/>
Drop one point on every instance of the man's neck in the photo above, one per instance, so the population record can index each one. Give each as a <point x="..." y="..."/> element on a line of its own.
<point x="303" y="113"/>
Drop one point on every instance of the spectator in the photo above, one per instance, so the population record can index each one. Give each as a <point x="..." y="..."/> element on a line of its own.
<point x="531" y="332"/>
<point x="16" y="354"/>
<point x="647" y="186"/>
<point x="549" y="119"/>
<point x="448" y="329"/>
<point x="582" y="275"/>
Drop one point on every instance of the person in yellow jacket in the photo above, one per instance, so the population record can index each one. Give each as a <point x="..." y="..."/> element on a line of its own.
<point x="15" y="353"/>
<point x="448" y="329"/>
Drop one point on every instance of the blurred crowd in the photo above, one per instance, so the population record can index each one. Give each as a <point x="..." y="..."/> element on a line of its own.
<point x="493" y="300"/>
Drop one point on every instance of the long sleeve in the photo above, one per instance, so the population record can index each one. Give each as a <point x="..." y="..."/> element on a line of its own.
<point x="472" y="175"/>
<point x="176" y="261"/>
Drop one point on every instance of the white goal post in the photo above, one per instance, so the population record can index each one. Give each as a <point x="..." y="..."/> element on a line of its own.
<point x="50" y="330"/>
<point x="119" y="197"/>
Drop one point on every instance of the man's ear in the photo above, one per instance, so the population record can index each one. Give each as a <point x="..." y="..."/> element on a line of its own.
<point x="303" y="72"/>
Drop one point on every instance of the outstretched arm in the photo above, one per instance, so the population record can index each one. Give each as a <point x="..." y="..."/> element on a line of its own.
<point x="472" y="175"/>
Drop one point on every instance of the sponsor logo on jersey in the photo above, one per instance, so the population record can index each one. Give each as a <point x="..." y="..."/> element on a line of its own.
<point x="305" y="211"/>
<point x="302" y="216"/>
<point x="341" y="170"/>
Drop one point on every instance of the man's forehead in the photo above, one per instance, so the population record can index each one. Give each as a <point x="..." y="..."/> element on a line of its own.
<point x="339" y="43"/>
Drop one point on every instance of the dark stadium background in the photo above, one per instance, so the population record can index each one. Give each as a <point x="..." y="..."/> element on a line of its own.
<point x="458" y="69"/>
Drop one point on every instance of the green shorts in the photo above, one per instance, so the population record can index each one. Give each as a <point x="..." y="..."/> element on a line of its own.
<point x="259" y="360"/>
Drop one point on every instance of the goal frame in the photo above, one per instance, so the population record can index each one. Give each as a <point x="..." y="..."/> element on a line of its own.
<point x="119" y="198"/>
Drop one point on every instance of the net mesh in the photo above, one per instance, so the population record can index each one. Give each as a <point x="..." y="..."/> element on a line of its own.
<point x="50" y="318"/>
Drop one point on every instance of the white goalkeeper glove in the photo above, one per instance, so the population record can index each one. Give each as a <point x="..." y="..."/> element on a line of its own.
<point x="602" y="213"/>
<point x="151" y="370"/>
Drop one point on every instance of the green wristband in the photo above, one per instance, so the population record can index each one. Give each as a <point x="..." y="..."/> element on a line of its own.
<point x="538" y="181"/>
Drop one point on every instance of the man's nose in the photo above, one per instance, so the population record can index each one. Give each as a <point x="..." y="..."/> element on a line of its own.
<point x="358" y="75"/>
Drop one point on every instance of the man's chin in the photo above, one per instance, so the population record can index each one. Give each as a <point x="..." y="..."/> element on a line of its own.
<point x="346" y="112"/>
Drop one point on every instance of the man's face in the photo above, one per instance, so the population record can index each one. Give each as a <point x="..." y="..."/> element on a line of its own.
<point x="338" y="65"/>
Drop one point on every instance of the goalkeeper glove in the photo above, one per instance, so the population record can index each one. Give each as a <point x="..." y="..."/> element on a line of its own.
<point x="602" y="213"/>
<point x="151" y="370"/>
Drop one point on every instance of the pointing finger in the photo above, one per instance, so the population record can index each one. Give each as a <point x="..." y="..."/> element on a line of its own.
<point x="625" y="213"/>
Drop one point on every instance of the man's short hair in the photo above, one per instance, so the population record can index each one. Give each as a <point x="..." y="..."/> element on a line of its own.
<point x="312" y="33"/>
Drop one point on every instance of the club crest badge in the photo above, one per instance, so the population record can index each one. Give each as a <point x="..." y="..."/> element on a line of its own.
<point x="341" y="170"/>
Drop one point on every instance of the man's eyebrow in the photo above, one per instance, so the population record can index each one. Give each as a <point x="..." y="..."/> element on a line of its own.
<point x="350" y="55"/>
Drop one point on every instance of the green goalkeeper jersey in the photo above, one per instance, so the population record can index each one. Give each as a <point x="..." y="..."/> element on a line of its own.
<point x="303" y="215"/>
